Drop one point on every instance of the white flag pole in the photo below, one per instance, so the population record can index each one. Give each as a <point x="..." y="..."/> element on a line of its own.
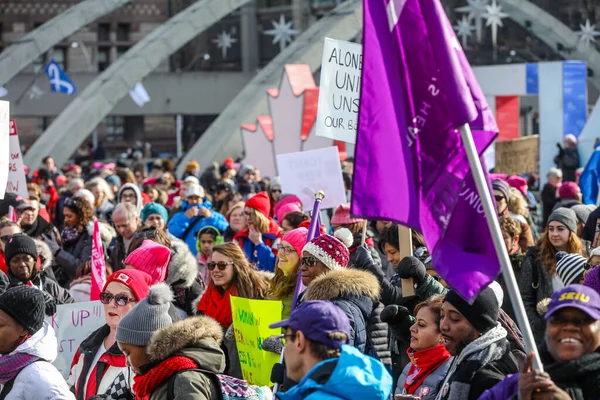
<point x="494" y="225"/>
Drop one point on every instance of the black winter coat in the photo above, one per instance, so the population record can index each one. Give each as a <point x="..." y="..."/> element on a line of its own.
<point x="72" y="256"/>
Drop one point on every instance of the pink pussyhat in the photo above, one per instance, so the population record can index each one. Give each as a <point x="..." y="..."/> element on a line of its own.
<point x="152" y="258"/>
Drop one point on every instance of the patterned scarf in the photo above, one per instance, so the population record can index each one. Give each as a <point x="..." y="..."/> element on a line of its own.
<point x="69" y="234"/>
<point x="11" y="365"/>
<point x="144" y="385"/>
<point x="423" y="363"/>
<point x="217" y="305"/>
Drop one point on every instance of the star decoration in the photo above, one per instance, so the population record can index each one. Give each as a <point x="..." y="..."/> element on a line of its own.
<point x="494" y="16"/>
<point x="464" y="29"/>
<point x="224" y="41"/>
<point x="282" y="32"/>
<point x="35" y="93"/>
<point x="475" y="10"/>
<point x="588" y="33"/>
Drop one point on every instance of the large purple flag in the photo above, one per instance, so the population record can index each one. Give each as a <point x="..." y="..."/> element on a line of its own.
<point x="410" y="163"/>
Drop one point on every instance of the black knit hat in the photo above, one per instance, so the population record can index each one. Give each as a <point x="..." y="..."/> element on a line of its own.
<point x="24" y="304"/>
<point x="482" y="314"/>
<point x="19" y="244"/>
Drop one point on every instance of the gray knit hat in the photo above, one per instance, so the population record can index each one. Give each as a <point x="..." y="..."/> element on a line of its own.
<point x="146" y="317"/>
<point x="565" y="216"/>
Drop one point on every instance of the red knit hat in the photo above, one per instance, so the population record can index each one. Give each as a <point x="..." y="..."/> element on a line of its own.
<point x="568" y="190"/>
<point x="332" y="251"/>
<point x="342" y="216"/>
<point x="261" y="203"/>
<point x="137" y="281"/>
<point x="152" y="258"/>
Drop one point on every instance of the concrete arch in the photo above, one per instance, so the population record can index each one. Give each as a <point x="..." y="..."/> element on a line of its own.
<point x="553" y="32"/>
<point x="24" y="51"/>
<point x="223" y="139"/>
<point x="84" y="113"/>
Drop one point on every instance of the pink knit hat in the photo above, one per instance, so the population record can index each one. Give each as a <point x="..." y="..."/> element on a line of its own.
<point x="331" y="250"/>
<point x="518" y="183"/>
<point x="285" y="210"/>
<point x="152" y="258"/>
<point x="342" y="216"/>
<point x="297" y="238"/>
<point x="286" y="199"/>
<point x="568" y="190"/>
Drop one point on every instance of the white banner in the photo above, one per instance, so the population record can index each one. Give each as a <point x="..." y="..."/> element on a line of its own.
<point x="339" y="95"/>
<point x="4" y="145"/>
<point x="73" y="323"/>
<point x="307" y="172"/>
<point x="16" y="170"/>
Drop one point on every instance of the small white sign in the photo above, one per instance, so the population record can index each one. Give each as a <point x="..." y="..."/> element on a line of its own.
<point x="4" y="145"/>
<point x="339" y="95"/>
<point x="306" y="172"/>
<point x="17" y="182"/>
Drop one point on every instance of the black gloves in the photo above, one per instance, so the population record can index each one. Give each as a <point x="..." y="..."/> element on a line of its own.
<point x="399" y="320"/>
<point x="411" y="267"/>
<point x="364" y="261"/>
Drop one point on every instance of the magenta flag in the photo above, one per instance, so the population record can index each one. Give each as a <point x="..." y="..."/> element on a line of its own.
<point x="410" y="164"/>
<point x="12" y="215"/>
<point x="98" y="265"/>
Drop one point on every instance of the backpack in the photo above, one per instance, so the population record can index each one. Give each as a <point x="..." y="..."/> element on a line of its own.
<point x="231" y="388"/>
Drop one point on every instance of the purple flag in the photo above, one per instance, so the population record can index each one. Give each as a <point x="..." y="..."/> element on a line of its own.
<point x="410" y="163"/>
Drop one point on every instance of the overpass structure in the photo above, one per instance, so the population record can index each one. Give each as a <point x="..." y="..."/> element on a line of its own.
<point x="24" y="51"/>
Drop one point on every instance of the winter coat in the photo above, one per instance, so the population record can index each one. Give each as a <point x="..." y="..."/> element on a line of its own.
<point x="262" y="255"/>
<point x="139" y="203"/>
<point x="356" y="293"/>
<point x="73" y="255"/>
<point x="182" y="277"/>
<point x="568" y="161"/>
<point x="104" y="210"/>
<point x="42" y="227"/>
<point x="589" y="231"/>
<point x="516" y="261"/>
<point x="186" y="228"/>
<point x="41" y="379"/>
<point x="535" y="285"/>
<point x="197" y="338"/>
<point x="118" y="253"/>
<point x="111" y="365"/>
<point x="57" y="212"/>
<point x="351" y="376"/>
<point x="565" y="203"/>
<point x="549" y="200"/>
<point x="428" y="390"/>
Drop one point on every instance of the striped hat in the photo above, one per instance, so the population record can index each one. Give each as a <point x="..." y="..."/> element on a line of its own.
<point x="570" y="267"/>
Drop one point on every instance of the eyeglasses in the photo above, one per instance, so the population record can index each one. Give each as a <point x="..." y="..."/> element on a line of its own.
<point x="309" y="261"/>
<point x="221" y="265"/>
<point x="149" y="234"/>
<point x="284" y="337"/>
<point x="499" y="198"/>
<point x="121" y="299"/>
<point x="248" y="213"/>
<point x="285" y="249"/>
<point x="560" y="320"/>
<point x="275" y="190"/>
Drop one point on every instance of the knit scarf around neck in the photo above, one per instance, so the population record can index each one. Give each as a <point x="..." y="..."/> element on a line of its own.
<point x="69" y="235"/>
<point x="580" y="378"/>
<point x="145" y="385"/>
<point x="12" y="364"/>
<point x="423" y="363"/>
<point x="217" y="305"/>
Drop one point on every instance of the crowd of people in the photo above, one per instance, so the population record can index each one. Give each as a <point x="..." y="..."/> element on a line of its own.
<point x="176" y="250"/>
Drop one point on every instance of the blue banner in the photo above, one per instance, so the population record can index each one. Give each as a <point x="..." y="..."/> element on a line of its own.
<point x="574" y="97"/>
<point x="532" y="78"/>
<point x="59" y="80"/>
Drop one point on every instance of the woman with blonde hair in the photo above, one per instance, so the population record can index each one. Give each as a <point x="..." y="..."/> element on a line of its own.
<point x="236" y="219"/>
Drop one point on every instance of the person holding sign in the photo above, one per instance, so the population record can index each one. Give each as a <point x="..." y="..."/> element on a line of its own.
<point x="99" y="367"/>
<point x="28" y="347"/>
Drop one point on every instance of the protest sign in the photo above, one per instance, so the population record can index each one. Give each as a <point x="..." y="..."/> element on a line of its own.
<point x="16" y="171"/>
<point x="307" y="172"/>
<point x="4" y="145"/>
<point x="251" y="320"/>
<point x="72" y="324"/>
<point x="518" y="156"/>
<point x="339" y="95"/>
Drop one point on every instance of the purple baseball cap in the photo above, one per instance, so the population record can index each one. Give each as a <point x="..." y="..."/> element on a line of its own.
<point x="577" y="296"/>
<point x="317" y="319"/>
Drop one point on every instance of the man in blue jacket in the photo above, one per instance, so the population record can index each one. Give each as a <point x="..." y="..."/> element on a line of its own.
<point x="318" y="358"/>
<point x="195" y="214"/>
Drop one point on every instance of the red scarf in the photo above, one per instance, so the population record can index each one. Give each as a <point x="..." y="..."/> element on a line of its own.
<point x="423" y="363"/>
<point x="217" y="305"/>
<point x="144" y="385"/>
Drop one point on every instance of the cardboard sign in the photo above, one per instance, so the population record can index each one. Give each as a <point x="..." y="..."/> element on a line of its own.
<point x="73" y="323"/>
<point x="518" y="156"/>
<point x="4" y="145"/>
<point x="251" y="320"/>
<point x="17" y="182"/>
<point x="339" y="95"/>
<point x="307" y="172"/>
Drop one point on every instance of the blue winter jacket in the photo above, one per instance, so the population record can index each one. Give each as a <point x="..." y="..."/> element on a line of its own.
<point x="351" y="376"/>
<point x="179" y="223"/>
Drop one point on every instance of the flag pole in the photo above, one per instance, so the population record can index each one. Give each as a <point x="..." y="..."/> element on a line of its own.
<point x="494" y="225"/>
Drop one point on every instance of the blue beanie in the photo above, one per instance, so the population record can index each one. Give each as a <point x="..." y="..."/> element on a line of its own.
<point x="155" y="208"/>
<point x="114" y="179"/>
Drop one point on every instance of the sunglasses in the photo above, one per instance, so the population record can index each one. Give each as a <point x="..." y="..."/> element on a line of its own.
<point x="275" y="190"/>
<point x="221" y="265"/>
<point x="121" y="299"/>
<point x="5" y="238"/>
<point x="309" y="261"/>
<point x="560" y="320"/>
<point x="499" y="198"/>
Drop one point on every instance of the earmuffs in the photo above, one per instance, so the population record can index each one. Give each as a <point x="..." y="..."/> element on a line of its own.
<point x="218" y="239"/>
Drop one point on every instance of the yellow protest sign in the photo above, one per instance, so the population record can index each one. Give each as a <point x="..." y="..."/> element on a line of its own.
<point x="251" y="320"/>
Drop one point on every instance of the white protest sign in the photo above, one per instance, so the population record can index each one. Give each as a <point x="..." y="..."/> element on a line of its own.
<point x="4" y="145"/>
<point x="16" y="170"/>
<point x="339" y="95"/>
<point x="73" y="323"/>
<point x="307" y="172"/>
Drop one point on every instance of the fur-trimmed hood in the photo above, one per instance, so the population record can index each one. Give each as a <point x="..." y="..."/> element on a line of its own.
<point x="183" y="267"/>
<point x="45" y="253"/>
<point x="107" y="232"/>
<point x="198" y="338"/>
<point x="343" y="283"/>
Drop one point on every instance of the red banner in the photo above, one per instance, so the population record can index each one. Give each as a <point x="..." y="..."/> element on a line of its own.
<point x="508" y="117"/>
